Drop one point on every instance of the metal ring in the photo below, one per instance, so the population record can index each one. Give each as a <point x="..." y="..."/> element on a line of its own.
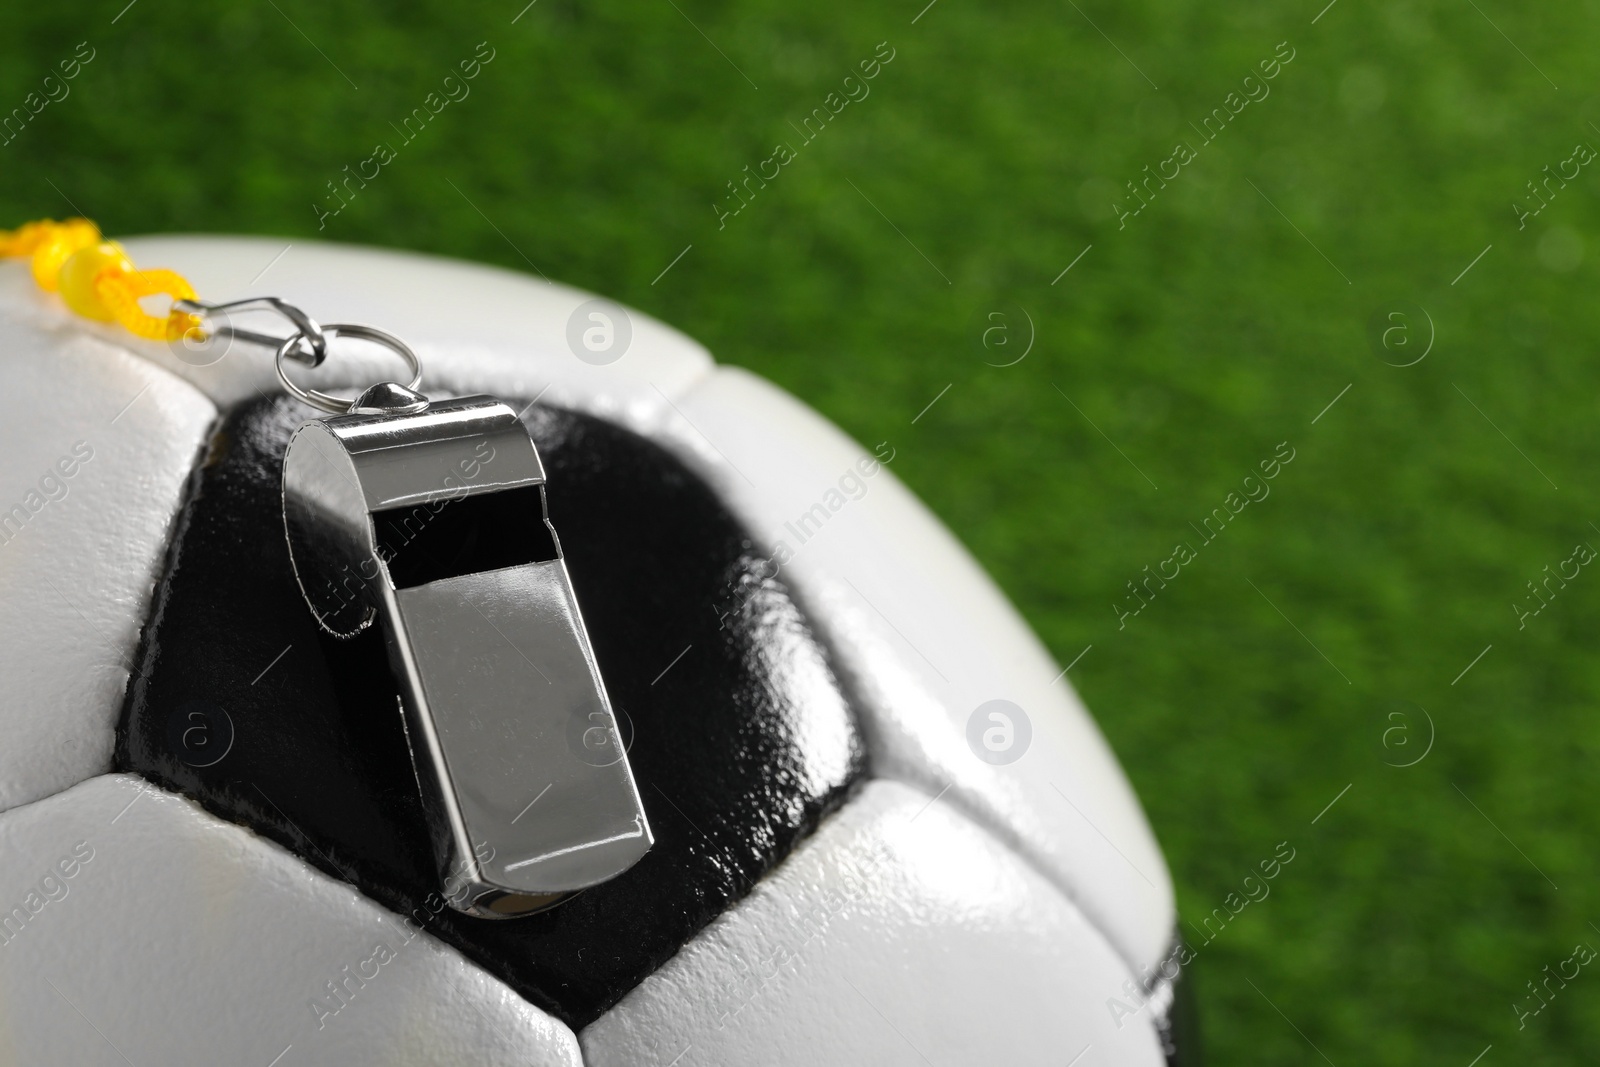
<point x="338" y="405"/>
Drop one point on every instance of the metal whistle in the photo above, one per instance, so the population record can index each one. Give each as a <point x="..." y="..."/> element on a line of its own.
<point x="431" y="516"/>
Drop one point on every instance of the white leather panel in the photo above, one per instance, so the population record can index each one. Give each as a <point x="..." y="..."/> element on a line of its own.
<point x="97" y="449"/>
<point x="901" y="934"/>
<point x="136" y="928"/>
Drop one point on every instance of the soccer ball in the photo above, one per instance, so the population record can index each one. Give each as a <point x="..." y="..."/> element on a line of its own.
<point x="886" y="831"/>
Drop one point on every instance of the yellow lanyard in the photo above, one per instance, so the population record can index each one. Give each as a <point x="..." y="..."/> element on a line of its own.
<point x="96" y="278"/>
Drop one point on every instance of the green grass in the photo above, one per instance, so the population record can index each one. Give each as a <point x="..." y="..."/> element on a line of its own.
<point x="1196" y="338"/>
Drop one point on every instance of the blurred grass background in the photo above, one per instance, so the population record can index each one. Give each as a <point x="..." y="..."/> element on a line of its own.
<point x="1212" y="326"/>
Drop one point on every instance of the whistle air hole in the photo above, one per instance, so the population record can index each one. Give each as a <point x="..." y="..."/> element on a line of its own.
<point x="470" y="534"/>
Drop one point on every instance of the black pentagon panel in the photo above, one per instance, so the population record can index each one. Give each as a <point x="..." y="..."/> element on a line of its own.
<point x="1176" y="1011"/>
<point x="741" y="737"/>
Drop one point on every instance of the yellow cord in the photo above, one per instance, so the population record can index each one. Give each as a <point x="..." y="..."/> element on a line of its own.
<point x="96" y="278"/>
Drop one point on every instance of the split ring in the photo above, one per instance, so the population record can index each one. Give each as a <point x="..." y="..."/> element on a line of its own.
<point x="339" y="405"/>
